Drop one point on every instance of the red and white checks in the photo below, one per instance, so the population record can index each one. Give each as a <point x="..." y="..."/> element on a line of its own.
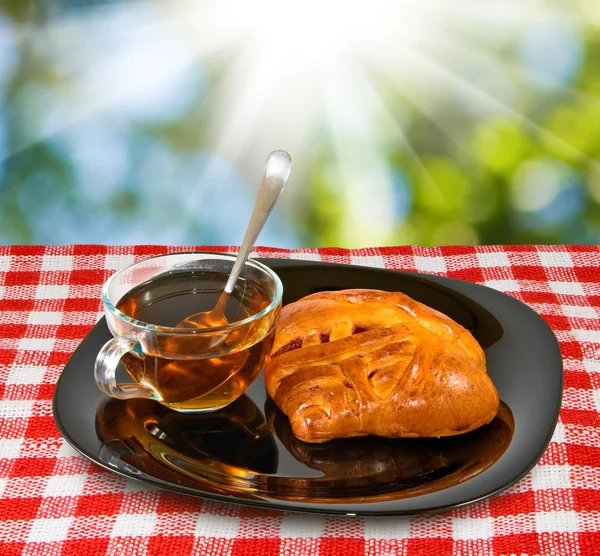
<point x="53" y="501"/>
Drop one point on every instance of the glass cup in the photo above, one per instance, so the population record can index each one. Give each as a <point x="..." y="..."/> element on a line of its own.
<point x="186" y="369"/>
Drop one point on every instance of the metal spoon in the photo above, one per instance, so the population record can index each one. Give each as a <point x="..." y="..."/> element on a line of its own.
<point x="277" y="171"/>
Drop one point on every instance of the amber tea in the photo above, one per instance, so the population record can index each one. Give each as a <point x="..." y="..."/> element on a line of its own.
<point x="193" y="380"/>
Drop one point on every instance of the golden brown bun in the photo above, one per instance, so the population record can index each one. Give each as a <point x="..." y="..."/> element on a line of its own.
<point x="368" y="362"/>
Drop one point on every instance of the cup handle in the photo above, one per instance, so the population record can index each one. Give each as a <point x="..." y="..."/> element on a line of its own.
<point x="106" y="367"/>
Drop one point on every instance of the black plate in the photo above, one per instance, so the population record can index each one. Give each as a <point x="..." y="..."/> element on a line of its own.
<point x="246" y="454"/>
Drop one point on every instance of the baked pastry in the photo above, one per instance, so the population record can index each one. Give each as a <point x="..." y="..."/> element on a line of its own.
<point x="368" y="362"/>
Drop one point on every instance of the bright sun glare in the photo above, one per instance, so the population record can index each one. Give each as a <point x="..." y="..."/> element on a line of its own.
<point x="294" y="70"/>
<point x="308" y="66"/>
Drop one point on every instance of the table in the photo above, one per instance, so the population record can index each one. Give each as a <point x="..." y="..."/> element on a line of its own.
<point x="53" y="501"/>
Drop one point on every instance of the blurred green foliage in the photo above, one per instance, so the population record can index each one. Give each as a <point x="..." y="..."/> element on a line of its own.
<point x="527" y="174"/>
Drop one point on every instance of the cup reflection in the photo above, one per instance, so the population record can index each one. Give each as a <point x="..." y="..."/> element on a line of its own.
<point x="219" y="449"/>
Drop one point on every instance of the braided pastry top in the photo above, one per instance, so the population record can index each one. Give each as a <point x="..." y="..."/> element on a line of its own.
<point x="369" y="362"/>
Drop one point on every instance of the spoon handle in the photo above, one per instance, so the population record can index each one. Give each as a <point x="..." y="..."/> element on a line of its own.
<point x="277" y="171"/>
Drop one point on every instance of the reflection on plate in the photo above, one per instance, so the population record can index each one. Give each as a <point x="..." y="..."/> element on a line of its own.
<point x="234" y="450"/>
<point x="373" y="468"/>
<point x="222" y="450"/>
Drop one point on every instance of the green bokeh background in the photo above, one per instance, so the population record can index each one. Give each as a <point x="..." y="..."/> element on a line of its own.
<point x="525" y="175"/>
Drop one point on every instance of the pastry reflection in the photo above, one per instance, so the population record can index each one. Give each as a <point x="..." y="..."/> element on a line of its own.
<point x="371" y="469"/>
<point x="218" y="451"/>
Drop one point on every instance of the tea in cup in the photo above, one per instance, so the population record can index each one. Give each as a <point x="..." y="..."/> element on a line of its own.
<point x="187" y="369"/>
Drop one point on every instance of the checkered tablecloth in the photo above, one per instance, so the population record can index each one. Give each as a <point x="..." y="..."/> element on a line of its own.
<point x="53" y="501"/>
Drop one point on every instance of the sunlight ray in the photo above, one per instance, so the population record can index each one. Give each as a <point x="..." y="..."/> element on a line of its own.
<point x="438" y="74"/>
<point x="400" y="135"/>
<point x="485" y="55"/>
<point x="363" y="176"/>
<point x="418" y="103"/>
<point x="494" y="104"/>
<point x="129" y="50"/>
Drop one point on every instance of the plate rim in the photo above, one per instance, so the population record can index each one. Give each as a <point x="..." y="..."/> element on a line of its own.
<point x="306" y="508"/>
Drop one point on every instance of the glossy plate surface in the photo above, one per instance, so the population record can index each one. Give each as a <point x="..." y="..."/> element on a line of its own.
<point x="246" y="453"/>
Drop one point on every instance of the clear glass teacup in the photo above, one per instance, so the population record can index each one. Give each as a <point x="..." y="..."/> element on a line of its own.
<point x="186" y="369"/>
